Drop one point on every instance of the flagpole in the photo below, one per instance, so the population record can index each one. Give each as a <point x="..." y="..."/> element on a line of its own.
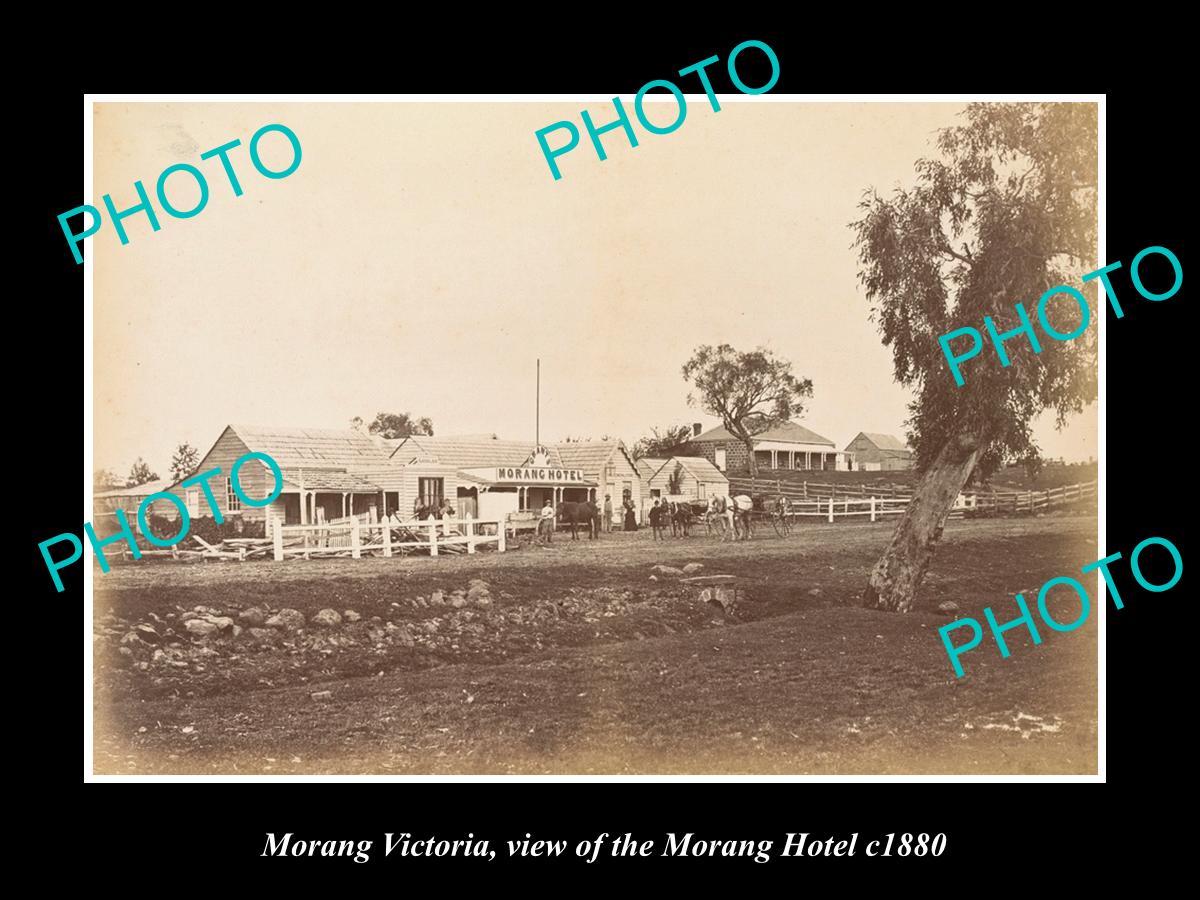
<point x="537" y="416"/>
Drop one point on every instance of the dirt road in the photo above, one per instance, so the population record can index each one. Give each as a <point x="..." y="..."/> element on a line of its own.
<point x="572" y="660"/>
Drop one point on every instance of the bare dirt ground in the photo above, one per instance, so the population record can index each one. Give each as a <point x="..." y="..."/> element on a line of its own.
<point x="572" y="660"/>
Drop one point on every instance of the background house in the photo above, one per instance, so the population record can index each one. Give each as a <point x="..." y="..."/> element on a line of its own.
<point x="106" y="503"/>
<point x="609" y="465"/>
<point x="874" y="452"/>
<point x="697" y="479"/>
<point x="325" y="474"/>
<point x="785" y="446"/>
<point x="569" y="470"/>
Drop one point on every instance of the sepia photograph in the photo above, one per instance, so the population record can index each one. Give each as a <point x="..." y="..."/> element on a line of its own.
<point x="511" y="436"/>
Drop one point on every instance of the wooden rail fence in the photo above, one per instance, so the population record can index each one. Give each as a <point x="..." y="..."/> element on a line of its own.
<point x="815" y="499"/>
<point x="359" y="537"/>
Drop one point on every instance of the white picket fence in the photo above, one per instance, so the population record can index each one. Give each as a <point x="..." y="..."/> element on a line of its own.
<point x="875" y="507"/>
<point x="357" y="537"/>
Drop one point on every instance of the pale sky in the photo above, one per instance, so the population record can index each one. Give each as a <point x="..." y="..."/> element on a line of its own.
<point x="422" y="257"/>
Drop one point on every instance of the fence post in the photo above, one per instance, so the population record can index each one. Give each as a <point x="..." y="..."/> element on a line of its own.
<point x="387" y="538"/>
<point x="830" y="510"/>
<point x="277" y="540"/>
<point x="501" y="530"/>
<point x="355" y="547"/>
<point x="872" y="507"/>
<point x="470" y="533"/>
<point x="433" y="537"/>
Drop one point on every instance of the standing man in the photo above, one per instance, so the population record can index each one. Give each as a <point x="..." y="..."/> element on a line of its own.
<point x="608" y="511"/>
<point x="547" y="520"/>
<point x="655" y="520"/>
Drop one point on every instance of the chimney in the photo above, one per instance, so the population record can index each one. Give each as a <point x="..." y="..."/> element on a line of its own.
<point x="696" y="429"/>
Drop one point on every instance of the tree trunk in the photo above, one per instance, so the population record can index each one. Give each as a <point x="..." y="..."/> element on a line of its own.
<point x="753" y="463"/>
<point x="894" y="580"/>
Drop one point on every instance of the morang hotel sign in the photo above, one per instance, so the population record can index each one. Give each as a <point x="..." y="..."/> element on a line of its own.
<point x="530" y="475"/>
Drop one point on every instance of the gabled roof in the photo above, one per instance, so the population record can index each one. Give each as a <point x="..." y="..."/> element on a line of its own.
<point x="293" y="448"/>
<point x="469" y="451"/>
<point x="788" y="431"/>
<point x="648" y="467"/>
<point x="883" y="441"/>
<point x="700" y="468"/>
<point x="591" y="456"/>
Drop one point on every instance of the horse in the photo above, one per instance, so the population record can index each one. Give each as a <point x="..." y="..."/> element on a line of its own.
<point x="733" y="520"/>
<point x="577" y="514"/>
<point x="681" y="519"/>
<point x="742" y="515"/>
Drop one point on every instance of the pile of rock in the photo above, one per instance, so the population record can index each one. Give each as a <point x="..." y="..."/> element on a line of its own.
<point x="689" y="569"/>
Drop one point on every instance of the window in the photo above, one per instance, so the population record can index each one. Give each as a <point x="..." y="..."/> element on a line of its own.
<point x="193" y="503"/>
<point x="431" y="491"/>
<point x="655" y="492"/>
<point x="701" y="490"/>
<point x="233" y="503"/>
<point x="721" y="460"/>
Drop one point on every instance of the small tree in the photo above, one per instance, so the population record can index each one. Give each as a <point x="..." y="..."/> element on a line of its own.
<point x="399" y="425"/>
<point x="675" y="480"/>
<point x="140" y="474"/>
<point x="662" y="442"/>
<point x="184" y="462"/>
<point x="106" y="480"/>
<point x="749" y="391"/>
<point x="1007" y="213"/>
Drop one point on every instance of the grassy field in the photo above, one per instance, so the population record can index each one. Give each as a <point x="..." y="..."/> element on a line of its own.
<point x="576" y="661"/>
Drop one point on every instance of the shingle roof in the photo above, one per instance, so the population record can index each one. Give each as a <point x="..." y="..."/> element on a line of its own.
<point x="469" y="451"/>
<point x="701" y="468"/>
<point x="788" y="431"/>
<point x="648" y="466"/>
<point x="590" y="456"/>
<point x="294" y="448"/>
<point x="884" y="441"/>
<point x="333" y="481"/>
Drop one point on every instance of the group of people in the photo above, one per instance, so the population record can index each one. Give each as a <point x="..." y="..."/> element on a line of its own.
<point x="729" y="517"/>
<point x="603" y="517"/>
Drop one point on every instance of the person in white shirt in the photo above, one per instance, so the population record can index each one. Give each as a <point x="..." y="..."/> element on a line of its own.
<point x="547" y="520"/>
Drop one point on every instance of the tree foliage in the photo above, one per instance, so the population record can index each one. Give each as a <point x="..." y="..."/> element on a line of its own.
<point x="106" y="480"/>
<point x="184" y="462"/>
<point x="396" y="425"/>
<point x="660" y="442"/>
<point x="675" y="480"/>
<point x="1007" y="212"/>
<point x="749" y="391"/>
<point x="140" y="473"/>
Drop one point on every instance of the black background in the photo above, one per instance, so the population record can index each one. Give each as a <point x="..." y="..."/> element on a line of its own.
<point x="207" y="834"/>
